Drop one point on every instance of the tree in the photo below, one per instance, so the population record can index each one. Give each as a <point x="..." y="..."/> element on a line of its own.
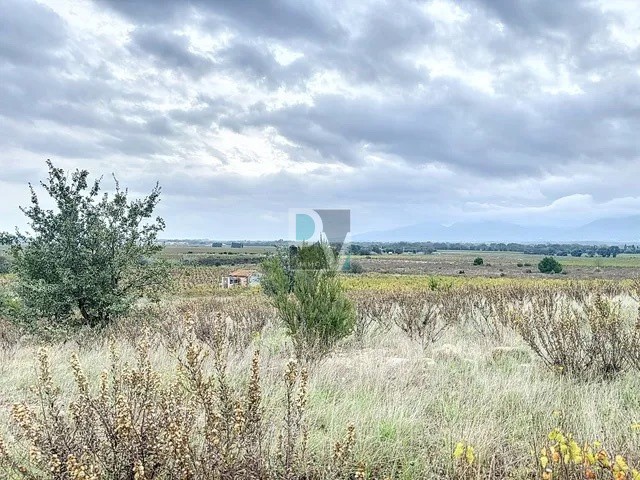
<point x="478" y="261"/>
<point x="549" y="265"/>
<point x="92" y="254"/>
<point x="310" y="299"/>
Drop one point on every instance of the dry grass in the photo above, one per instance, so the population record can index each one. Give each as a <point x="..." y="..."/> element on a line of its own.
<point x="410" y="402"/>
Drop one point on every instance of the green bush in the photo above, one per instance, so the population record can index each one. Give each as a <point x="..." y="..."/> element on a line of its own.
<point x="310" y="299"/>
<point x="549" y="265"/>
<point x="478" y="261"/>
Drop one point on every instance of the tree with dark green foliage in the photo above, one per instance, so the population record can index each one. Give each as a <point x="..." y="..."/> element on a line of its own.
<point x="549" y="265"/>
<point x="91" y="255"/>
<point x="304" y="285"/>
<point x="478" y="261"/>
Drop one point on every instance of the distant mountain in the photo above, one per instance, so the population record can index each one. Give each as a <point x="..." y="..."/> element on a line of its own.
<point x="612" y="230"/>
<point x="625" y="229"/>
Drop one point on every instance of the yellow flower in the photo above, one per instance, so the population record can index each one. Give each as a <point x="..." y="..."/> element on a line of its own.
<point x="470" y="456"/>
<point x="621" y="464"/>
<point x="458" y="451"/>
<point x="544" y="461"/>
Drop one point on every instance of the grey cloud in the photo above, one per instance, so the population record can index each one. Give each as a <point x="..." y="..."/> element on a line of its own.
<point x="284" y="19"/>
<point x="257" y="63"/>
<point x="463" y="129"/>
<point x="170" y="49"/>
<point x="543" y="18"/>
<point x="30" y="33"/>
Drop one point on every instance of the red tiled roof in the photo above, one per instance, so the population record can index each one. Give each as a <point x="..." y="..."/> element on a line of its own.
<point x="242" y="273"/>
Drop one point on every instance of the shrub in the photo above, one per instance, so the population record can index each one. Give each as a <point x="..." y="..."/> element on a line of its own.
<point x="549" y="265"/>
<point x="425" y="316"/>
<point x="10" y="304"/>
<point x="310" y="300"/>
<point x="198" y="426"/>
<point x="589" y="338"/>
<point x="478" y="261"/>
<point x="85" y="256"/>
<point x="372" y="310"/>
<point x="317" y="313"/>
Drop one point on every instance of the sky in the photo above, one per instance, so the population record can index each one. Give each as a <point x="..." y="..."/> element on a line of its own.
<point x="402" y="111"/>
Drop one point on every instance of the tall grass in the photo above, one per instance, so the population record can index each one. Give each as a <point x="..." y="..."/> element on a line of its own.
<point x="384" y="405"/>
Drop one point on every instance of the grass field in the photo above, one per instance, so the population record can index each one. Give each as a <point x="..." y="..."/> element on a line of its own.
<point x="496" y="264"/>
<point x="409" y="404"/>
<point x="410" y="401"/>
<point x="467" y="256"/>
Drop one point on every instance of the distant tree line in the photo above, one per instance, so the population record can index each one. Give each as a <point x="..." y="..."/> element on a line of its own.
<point x="553" y="249"/>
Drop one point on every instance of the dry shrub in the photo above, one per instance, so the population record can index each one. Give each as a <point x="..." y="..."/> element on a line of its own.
<point x="239" y="319"/>
<point x="580" y="339"/>
<point x="489" y="310"/>
<point x="10" y="336"/>
<point x="425" y="316"/>
<point x="373" y="311"/>
<point x="633" y="344"/>
<point x="197" y="425"/>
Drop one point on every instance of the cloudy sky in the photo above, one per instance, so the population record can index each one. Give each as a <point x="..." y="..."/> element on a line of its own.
<point x="403" y="111"/>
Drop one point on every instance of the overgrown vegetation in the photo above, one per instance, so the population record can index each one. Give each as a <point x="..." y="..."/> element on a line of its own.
<point x="492" y="400"/>
<point x="198" y="425"/>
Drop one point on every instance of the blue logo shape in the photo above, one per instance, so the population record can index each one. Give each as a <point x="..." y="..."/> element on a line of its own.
<point x="305" y="227"/>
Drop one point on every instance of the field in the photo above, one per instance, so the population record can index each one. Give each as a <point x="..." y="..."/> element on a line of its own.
<point x="496" y="264"/>
<point x="181" y="251"/>
<point x="403" y="394"/>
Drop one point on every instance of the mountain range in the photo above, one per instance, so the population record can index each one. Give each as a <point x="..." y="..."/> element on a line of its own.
<point x="605" y="230"/>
